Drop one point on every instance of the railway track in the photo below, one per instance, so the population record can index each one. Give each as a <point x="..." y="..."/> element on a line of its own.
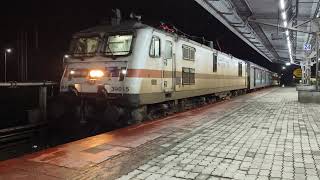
<point x="22" y="139"/>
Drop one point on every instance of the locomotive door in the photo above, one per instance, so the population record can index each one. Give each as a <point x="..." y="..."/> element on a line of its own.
<point x="168" y="71"/>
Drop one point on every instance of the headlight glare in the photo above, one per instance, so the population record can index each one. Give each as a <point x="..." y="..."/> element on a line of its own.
<point x="96" y="74"/>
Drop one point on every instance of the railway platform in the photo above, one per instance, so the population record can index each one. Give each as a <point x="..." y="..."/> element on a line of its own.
<point x="267" y="134"/>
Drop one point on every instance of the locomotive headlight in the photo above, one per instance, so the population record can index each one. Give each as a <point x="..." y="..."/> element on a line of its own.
<point x="96" y="74"/>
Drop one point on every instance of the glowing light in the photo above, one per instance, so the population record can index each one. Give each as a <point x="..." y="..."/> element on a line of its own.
<point x="284" y="15"/>
<point x="285" y="23"/>
<point x="72" y="72"/>
<point x="9" y="50"/>
<point x="288" y="64"/>
<point x="96" y="74"/>
<point x="283" y="67"/>
<point x="124" y="71"/>
<point x="287" y="33"/>
<point x="282" y="4"/>
<point x="66" y="56"/>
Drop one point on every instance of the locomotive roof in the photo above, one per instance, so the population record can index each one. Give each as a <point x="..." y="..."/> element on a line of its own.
<point x="124" y="26"/>
<point x="132" y="25"/>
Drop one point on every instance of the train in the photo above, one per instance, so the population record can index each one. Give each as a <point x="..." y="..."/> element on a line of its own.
<point x="131" y="72"/>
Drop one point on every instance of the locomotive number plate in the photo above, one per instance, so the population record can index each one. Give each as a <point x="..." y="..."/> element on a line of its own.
<point x="120" y="89"/>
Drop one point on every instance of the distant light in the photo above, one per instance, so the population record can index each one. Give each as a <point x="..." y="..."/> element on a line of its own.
<point x="287" y="33"/>
<point x="284" y="15"/>
<point x="72" y="72"/>
<point x="288" y="64"/>
<point x="282" y="4"/>
<point x="66" y="56"/>
<point x="285" y="23"/>
<point x="9" y="50"/>
<point x="283" y="67"/>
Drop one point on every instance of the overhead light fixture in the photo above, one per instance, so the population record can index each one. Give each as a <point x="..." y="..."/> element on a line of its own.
<point x="282" y="5"/>
<point x="284" y="15"/>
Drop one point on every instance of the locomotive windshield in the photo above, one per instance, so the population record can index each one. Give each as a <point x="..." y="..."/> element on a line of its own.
<point x="85" y="46"/>
<point x="118" y="45"/>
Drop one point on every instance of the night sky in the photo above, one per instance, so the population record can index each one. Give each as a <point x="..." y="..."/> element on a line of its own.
<point x="54" y="23"/>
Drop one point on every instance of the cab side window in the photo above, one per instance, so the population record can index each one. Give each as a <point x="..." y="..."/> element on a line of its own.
<point x="168" y="50"/>
<point x="155" y="47"/>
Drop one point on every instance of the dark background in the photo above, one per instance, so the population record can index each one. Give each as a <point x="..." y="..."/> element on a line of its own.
<point x="49" y="25"/>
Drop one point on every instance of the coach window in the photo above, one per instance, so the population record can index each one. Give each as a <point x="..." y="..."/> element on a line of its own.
<point x="185" y="76"/>
<point x="192" y="76"/>
<point x="155" y="47"/>
<point x="240" y="70"/>
<point x="168" y="50"/>
<point x="188" y="53"/>
<point x="188" y="76"/>
<point x="215" y="63"/>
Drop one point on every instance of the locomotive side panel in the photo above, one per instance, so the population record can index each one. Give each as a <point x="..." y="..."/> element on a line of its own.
<point x="194" y="73"/>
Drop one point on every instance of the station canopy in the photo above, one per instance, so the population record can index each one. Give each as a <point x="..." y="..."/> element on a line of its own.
<point x="283" y="31"/>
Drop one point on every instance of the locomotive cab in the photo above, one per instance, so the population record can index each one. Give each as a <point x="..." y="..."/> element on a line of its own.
<point x="99" y="59"/>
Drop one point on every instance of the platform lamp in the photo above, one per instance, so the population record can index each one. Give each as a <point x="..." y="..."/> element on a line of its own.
<point x="6" y="51"/>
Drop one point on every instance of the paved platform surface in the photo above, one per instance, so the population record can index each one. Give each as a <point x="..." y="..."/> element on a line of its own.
<point x="262" y="135"/>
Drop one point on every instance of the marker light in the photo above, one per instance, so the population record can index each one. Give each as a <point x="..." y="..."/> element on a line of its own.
<point x="124" y="71"/>
<point x="283" y="67"/>
<point x="96" y="74"/>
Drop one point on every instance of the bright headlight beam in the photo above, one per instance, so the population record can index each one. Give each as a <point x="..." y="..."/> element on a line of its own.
<point x="96" y="74"/>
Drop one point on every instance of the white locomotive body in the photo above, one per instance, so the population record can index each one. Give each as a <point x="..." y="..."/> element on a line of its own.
<point x="135" y="66"/>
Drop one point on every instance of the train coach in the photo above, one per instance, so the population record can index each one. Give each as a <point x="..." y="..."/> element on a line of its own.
<point x="133" y="72"/>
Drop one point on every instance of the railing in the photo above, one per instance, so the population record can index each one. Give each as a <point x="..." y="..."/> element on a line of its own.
<point x="19" y="96"/>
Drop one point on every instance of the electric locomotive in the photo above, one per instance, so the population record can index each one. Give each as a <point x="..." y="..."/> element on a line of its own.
<point x="131" y="72"/>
